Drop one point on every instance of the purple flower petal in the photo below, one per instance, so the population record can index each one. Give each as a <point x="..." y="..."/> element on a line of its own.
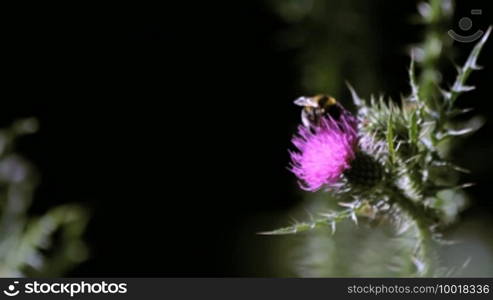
<point x="324" y="152"/>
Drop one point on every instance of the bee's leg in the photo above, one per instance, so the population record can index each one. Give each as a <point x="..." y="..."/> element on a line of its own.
<point x="305" y="119"/>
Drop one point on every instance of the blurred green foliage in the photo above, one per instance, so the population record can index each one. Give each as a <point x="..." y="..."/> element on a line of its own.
<point x="33" y="245"/>
<point x="333" y="39"/>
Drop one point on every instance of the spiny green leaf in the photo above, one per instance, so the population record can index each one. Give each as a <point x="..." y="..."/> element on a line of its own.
<point x="413" y="128"/>
<point x="412" y="79"/>
<point x="450" y="165"/>
<point x="469" y="127"/>
<point x="457" y="112"/>
<point x="358" y="102"/>
<point x="326" y="219"/>
<point x="463" y="73"/>
<point x="296" y="228"/>
<point x="390" y="138"/>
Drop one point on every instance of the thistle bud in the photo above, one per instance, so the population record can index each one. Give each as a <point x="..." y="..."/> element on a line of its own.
<point x="365" y="171"/>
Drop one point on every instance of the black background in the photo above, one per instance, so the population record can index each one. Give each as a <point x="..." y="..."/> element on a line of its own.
<point x="172" y="122"/>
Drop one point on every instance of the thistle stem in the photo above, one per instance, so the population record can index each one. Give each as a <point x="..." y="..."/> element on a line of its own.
<point x="423" y="220"/>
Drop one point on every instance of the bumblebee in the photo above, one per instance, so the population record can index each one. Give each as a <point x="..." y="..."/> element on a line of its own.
<point x="316" y="107"/>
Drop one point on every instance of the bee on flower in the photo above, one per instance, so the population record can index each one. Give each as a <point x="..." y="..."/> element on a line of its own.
<point x="327" y="147"/>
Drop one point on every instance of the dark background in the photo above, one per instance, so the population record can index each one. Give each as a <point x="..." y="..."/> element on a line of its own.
<point x="172" y="124"/>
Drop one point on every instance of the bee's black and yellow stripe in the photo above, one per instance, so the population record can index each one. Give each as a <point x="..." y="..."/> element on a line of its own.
<point x="324" y="100"/>
<point x="325" y="106"/>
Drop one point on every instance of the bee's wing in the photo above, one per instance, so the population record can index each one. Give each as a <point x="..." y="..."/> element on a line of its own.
<point x="305" y="101"/>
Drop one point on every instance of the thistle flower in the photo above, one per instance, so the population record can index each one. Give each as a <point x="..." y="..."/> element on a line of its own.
<point x="324" y="151"/>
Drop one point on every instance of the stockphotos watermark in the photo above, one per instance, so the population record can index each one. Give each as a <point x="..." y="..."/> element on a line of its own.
<point x="64" y="288"/>
<point x="465" y="24"/>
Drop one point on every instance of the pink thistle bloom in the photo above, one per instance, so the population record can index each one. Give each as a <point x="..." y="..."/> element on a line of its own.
<point x="324" y="151"/>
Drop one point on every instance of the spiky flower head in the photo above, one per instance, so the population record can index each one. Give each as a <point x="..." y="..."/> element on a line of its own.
<point x="324" y="151"/>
